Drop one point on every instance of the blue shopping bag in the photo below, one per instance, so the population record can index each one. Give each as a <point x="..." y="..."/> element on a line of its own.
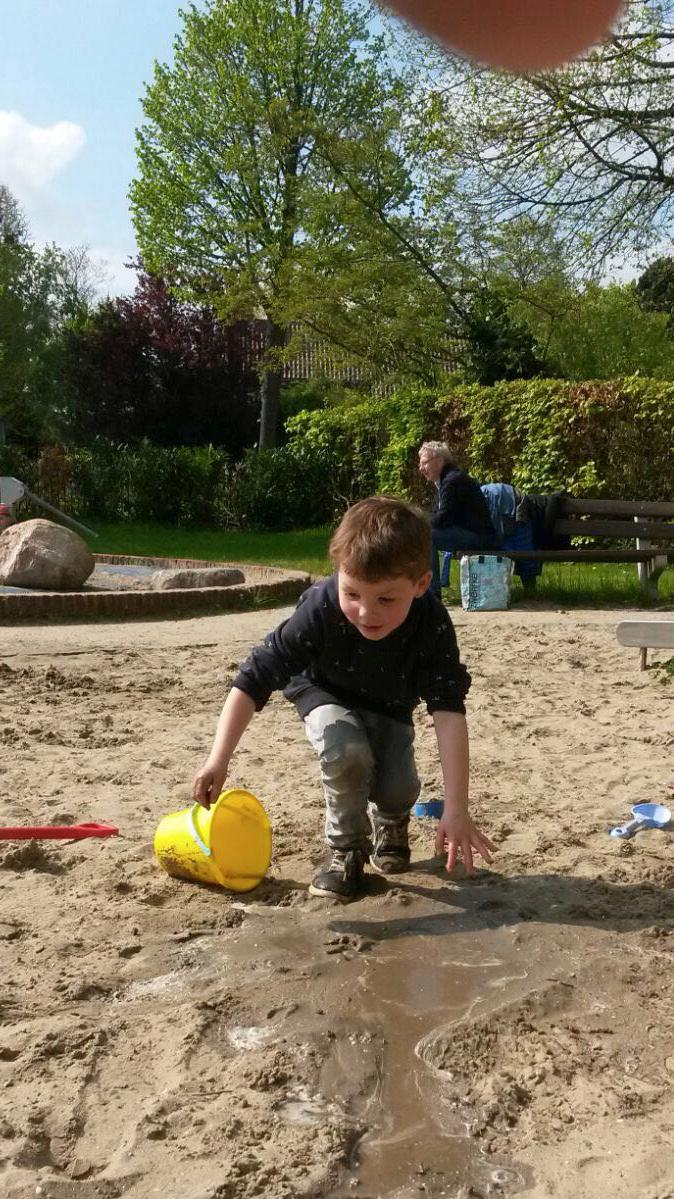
<point x="486" y="582"/>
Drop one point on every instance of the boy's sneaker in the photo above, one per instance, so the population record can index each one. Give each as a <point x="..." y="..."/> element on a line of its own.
<point x="391" y="847"/>
<point x="343" y="878"/>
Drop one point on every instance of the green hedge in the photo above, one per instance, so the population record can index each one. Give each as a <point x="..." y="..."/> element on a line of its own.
<point x="288" y="488"/>
<point x="371" y="443"/>
<point x="612" y="438"/>
<point x="280" y="489"/>
<point x="180" y="485"/>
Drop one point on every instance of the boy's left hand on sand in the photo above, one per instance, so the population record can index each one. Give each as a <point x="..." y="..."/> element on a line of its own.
<point x="457" y="832"/>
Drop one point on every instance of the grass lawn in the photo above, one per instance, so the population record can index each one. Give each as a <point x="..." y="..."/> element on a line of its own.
<point x="300" y="550"/>
<point x="592" y="585"/>
<point x="579" y="584"/>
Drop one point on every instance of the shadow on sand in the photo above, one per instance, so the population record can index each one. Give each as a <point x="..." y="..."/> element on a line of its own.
<point x="492" y="900"/>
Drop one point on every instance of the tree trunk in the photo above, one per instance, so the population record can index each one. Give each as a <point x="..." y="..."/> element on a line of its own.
<point x="270" y="390"/>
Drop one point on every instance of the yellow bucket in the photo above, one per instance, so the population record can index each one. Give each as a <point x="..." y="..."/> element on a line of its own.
<point x="228" y="844"/>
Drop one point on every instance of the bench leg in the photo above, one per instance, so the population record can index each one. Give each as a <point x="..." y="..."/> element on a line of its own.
<point x="653" y="569"/>
<point x="651" y="587"/>
<point x="643" y="568"/>
<point x="649" y="571"/>
<point x="643" y="571"/>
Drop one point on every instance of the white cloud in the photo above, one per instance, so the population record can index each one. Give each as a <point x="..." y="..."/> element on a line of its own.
<point x="31" y="155"/>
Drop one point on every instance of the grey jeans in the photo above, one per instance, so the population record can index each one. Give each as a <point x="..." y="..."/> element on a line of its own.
<point x="367" y="766"/>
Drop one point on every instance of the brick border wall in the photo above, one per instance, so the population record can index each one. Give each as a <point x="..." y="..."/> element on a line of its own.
<point x="275" y="572"/>
<point x="271" y="586"/>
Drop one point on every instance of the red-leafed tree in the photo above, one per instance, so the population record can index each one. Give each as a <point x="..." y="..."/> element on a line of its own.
<point x="150" y="366"/>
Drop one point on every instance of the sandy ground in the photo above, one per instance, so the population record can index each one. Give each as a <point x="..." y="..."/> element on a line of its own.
<point x="507" y="1034"/>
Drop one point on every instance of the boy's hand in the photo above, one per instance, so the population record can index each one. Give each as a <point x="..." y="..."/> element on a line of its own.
<point x="456" y="831"/>
<point x="208" y="783"/>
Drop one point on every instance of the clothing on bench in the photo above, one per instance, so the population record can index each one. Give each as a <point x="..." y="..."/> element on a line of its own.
<point x="542" y="512"/>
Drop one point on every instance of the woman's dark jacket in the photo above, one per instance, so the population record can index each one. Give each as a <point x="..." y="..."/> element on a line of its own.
<point x="459" y="501"/>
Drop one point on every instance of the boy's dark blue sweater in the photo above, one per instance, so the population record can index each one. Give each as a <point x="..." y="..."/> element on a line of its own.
<point x="318" y="657"/>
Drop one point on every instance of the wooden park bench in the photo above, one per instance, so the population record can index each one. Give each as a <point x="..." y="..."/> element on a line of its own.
<point x="646" y="634"/>
<point x="648" y="524"/>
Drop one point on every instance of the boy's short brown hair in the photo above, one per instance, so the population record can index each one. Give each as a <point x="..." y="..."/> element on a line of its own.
<point x="382" y="538"/>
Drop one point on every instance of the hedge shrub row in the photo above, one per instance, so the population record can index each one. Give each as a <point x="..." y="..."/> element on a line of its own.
<point x="184" y="485"/>
<point x="612" y="438"/>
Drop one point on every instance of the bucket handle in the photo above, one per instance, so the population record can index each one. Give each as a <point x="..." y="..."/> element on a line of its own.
<point x="193" y="829"/>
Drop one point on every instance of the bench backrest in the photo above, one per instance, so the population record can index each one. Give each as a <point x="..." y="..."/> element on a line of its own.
<point x="643" y="519"/>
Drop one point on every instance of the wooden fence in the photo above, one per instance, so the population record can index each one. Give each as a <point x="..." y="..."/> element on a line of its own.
<point x="315" y="358"/>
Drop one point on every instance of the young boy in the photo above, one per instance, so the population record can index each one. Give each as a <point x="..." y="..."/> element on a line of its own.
<point x="359" y="652"/>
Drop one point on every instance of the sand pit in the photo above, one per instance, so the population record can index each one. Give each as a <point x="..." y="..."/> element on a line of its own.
<point x="510" y="1034"/>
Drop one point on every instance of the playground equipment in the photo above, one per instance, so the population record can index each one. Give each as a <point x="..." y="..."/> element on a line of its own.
<point x="12" y="490"/>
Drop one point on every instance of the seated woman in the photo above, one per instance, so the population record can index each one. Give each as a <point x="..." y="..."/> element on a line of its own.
<point x="460" y="517"/>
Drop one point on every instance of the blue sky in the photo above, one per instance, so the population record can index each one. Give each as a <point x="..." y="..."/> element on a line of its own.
<point x="71" y="76"/>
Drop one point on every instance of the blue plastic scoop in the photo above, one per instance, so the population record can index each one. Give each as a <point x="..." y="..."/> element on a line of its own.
<point x="646" y="815"/>
<point x="431" y="809"/>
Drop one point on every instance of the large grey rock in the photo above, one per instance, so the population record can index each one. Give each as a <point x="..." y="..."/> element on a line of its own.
<point x="45" y="556"/>
<point x="203" y="576"/>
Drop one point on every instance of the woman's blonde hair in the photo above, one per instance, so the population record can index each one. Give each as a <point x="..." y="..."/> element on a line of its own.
<point x="438" y="447"/>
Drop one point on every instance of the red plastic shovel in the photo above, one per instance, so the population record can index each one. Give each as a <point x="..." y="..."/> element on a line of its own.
<point x="57" y="832"/>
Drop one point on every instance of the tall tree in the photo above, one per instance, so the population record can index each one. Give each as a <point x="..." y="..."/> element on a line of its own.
<point x="234" y="152"/>
<point x="83" y="277"/>
<point x="591" y="144"/>
<point x="13" y="225"/>
<point x="379" y="268"/>
<point x="29" y="314"/>
<point x="655" y="288"/>
<point x="40" y="291"/>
